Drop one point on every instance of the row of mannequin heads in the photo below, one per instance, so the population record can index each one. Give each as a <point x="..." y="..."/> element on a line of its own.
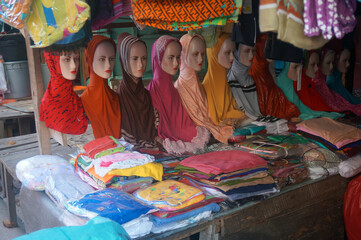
<point x="104" y="59"/>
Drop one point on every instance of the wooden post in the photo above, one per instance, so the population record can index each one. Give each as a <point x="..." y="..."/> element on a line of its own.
<point x="37" y="92"/>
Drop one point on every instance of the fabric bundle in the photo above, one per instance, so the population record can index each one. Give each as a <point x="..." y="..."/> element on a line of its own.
<point x="184" y="15"/>
<point x="179" y="133"/>
<point x="329" y="18"/>
<point x="15" y="12"/>
<point x="61" y="109"/>
<point x="235" y="174"/>
<point x="194" y="98"/>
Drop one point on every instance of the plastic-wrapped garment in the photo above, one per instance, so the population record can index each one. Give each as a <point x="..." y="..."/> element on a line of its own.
<point x="47" y="24"/>
<point x="132" y="185"/>
<point x="184" y="15"/>
<point x="110" y="203"/>
<point x="138" y="227"/>
<point x="352" y="209"/>
<point x="102" y="147"/>
<point x="170" y="195"/>
<point x="63" y="184"/>
<point x="350" y="167"/>
<point x="3" y="84"/>
<point x="97" y="228"/>
<point x="33" y="171"/>
<point x="15" y="12"/>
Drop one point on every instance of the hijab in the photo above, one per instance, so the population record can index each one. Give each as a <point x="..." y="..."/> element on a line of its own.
<point x="135" y="101"/>
<point x="194" y="97"/>
<point x="271" y="99"/>
<point x="221" y="104"/>
<point x="286" y="84"/>
<point x="243" y="87"/>
<point x="101" y="103"/>
<point x="60" y="108"/>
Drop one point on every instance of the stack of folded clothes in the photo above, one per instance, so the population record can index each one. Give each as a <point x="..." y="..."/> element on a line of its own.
<point x="234" y="174"/>
<point x="108" y="162"/>
<point x="179" y="204"/>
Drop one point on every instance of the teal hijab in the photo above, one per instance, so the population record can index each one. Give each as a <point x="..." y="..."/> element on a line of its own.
<point x="286" y="84"/>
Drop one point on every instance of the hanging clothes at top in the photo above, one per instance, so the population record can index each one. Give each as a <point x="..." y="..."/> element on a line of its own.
<point x="101" y="103"/>
<point x="271" y="99"/>
<point x="61" y="108"/>
<point x="106" y="11"/>
<point x="221" y="103"/>
<point x="286" y="84"/>
<point x="47" y="24"/>
<point x="176" y="128"/>
<point x="138" y="119"/>
<point x="193" y="96"/>
<point x="329" y="17"/>
<point x="179" y="15"/>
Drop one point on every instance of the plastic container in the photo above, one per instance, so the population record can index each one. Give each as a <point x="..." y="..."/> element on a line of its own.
<point x="18" y="80"/>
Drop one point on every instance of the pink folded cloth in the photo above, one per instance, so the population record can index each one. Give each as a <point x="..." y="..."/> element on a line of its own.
<point x="223" y="162"/>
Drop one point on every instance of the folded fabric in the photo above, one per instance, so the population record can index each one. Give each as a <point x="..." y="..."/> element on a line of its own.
<point x="350" y="167"/>
<point x="96" y="228"/>
<point x="170" y="194"/>
<point x="154" y="170"/>
<point x="249" y="129"/>
<point x="138" y="227"/>
<point x="132" y="185"/>
<point x="339" y="134"/>
<point x="114" y="204"/>
<point x="99" y="145"/>
<point x="213" y="207"/>
<point x="237" y="196"/>
<point x="249" y="189"/>
<point x="223" y="162"/>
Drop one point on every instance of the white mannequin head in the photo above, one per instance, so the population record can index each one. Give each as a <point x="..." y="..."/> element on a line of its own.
<point x="294" y="71"/>
<point x="343" y="62"/>
<point x="138" y="59"/>
<point x="312" y="66"/>
<point x="103" y="62"/>
<point x="327" y="62"/>
<point x="171" y="58"/>
<point x="69" y="65"/>
<point x="225" y="55"/>
<point x="246" y="54"/>
<point x="196" y="53"/>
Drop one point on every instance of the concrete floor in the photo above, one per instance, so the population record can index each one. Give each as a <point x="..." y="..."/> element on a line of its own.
<point x="8" y="233"/>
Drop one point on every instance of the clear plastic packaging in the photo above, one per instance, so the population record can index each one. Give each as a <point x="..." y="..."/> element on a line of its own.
<point x="3" y="84"/>
<point x="15" y="12"/>
<point x="350" y="167"/>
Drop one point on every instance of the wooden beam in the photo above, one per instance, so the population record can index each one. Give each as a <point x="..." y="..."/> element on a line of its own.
<point x="37" y="92"/>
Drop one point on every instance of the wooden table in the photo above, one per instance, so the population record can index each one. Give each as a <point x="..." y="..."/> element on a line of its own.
<point x="22" y="111"/>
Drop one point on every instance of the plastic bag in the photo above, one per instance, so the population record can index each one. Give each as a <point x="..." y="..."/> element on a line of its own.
<point x="15" y="12"/>
<point x="33" y="171"/>
<point x="352" y="209"/>
<point x="350" y="167"/>
<point x="3" y="85"/>
<point x="114" y="204"/>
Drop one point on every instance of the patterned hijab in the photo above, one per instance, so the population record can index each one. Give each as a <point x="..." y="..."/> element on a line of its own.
<point x="135" y="101"/>
<point x="243" y="87"/>
<point x="101" y="103"/>
<point x="221" y="103"/>
<point x="60" y="108"/>
<point x="194" y="97"/>
<point x="174" y="122"/>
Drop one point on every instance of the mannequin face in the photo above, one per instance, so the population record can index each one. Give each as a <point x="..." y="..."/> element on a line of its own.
<point x="225" y="55"/>
<point x="104" y="56"/>
<point x="294" y="71"/>
<point x="171" y="58"/>
<point x="343" y="62"/>
<point x="312" y="66"/>
<point x="327" y="63"/>
<point x="246" y="54"/>
<point x="138" y="59"/>
<point x="196" y="53"/>
<point x="69" y="65"/>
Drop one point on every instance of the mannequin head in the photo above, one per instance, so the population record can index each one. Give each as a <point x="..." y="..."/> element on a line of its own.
<point x="246" y="54"/>
<point x="138" y="59"/>
<point x="171" y="58"/>
<point x="225" y="55"/>
<point x="327" y="62"/>
<point x="312" y="66"/>
<point x="103" y="60"/>
<point x="69" y="65"/>
<point x="343" y="61"/>
<point x="294" y="71"/>
<point x="196" y="53"/>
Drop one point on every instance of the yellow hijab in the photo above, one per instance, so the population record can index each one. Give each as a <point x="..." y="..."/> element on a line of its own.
<point x="221" y="103"/>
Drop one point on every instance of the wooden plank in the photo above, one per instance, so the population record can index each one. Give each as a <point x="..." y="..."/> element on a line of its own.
<point x="37" y="92"/>
<point x="8" y="113"/>
<point x="58" y="136"/>
<point x="23" y="106"/>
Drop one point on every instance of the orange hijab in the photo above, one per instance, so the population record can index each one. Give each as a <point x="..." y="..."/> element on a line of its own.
<point x="101" y="104"/>
<point x="221" y="103"/>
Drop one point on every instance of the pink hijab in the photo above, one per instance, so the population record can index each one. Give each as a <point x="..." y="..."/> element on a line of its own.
<point x="175" y="125"/>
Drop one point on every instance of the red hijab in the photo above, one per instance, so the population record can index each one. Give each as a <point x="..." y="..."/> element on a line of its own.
<point x="101" y="103"/>
<point x="60" y="108"/>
